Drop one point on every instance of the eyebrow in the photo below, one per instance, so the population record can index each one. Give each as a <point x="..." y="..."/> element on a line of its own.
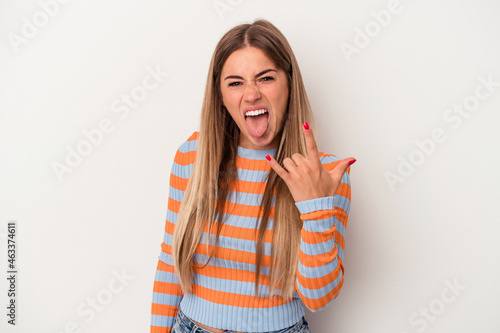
<point x="256" y="75"/>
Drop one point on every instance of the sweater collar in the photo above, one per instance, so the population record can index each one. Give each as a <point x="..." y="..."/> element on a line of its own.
<point x="255" y="154"/>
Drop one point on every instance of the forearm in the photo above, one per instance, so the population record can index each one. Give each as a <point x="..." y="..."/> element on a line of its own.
<point x="167" y="296"/>
<point x="320" y="272"/>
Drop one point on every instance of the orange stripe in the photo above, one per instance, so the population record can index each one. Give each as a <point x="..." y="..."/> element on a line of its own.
<point x="186" y="158"/>
<point x="318" y="283"/>
<point x="160" y="329"/>
<point x="318" y="215"/>
<point x="344" y="190"/>
<point x="339" y="239"/>
<point x="169" y="227"/>
<point x="166" y="248"/>
<point x="341" y="215"/>
<point x="167" y="288"/>
<point x="247" y="186"/>
<point x="315" y="238"/>
<point x="178" y="183"/>
<point x="310" y="237"/>
<point x="194" y="136"/>
<point x="231" y="274"/>
<point x="173" y="205"/>
<point x="240" y="232"/>
<point x="164" y="267"/>
<point x="164" y="310"/>
<point x="318" y="259"/>
<point x="254" y="165"/>
<point x="244" y="210"/>
<point x="232" y="299"/>
<point x="330" y="166"/>
<point x="230" y="254"/>
<point x="316" y="304"/>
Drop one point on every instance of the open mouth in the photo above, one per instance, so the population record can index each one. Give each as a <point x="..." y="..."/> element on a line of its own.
<point x="257" y="122"/>
<point x="255" y="113"/>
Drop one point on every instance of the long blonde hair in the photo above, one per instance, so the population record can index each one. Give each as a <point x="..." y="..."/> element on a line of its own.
<point x="215" y="165"/>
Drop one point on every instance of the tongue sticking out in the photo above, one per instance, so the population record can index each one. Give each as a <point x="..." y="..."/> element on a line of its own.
<point x="257" y="125"/>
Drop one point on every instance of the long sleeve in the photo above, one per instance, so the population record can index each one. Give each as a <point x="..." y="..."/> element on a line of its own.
<point x="320" y="271"/>
<point x="167" y="293"/>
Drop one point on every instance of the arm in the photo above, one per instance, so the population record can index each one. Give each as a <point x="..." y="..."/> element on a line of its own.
<point x="320" y="272"/>
<point x="167" y="293"/>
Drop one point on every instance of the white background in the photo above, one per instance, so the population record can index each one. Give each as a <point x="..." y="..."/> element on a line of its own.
<point x="438" y="223"/>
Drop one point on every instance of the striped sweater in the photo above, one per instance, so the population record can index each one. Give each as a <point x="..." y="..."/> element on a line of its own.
<point x="223" y="294"/>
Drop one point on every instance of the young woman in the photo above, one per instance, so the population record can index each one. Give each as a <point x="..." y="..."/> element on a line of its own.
<point x="256" y="214"/>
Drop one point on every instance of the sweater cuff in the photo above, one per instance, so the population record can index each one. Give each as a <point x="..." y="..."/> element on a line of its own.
<point x="316" y="204"/>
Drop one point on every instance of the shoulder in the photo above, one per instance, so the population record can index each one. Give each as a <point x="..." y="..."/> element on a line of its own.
<point x="186" y="153"/>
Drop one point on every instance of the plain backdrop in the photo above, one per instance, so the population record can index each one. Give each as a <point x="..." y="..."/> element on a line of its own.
<point x="399" y="85"/>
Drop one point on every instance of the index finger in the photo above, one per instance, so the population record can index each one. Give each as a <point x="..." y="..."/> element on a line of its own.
<point x="312" y="148"/>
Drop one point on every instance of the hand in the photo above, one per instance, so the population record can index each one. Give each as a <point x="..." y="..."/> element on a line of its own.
<point x="306" y="177"/>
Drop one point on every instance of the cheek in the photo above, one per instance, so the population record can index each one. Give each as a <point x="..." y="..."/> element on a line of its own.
<point x="231" y="98"/>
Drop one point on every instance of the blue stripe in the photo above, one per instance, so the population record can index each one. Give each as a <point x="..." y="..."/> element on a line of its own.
<point x="252" y="175"/>
<point x="316" y="272"/>
<point x="169" y="277"/>
<point x="239" y="318"/>
<point x="188" y="146"/>
<point x="318" y="225"/>
<point x="160" y="298"/>
<point x="318" y="248"/>
<point x="231" y="286"/>
<point x="182" y="171"/>
<point x="252" y="199"/>
<point x="321" y="292"/>
<point x="342" y="202"/>
<point x="163" y="321"/>
<point x="218" y="262"/>
<point x="231" y="220"/>
<point x="236" y="243"/>
<point x="166" y="258"/>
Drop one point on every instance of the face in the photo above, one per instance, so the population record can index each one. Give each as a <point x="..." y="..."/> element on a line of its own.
<point x="255" y="92"/>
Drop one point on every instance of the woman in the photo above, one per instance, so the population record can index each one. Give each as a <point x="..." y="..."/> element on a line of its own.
<point x="256" y="215"/>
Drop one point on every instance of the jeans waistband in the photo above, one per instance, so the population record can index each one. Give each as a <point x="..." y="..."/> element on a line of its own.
<point x="189" y="326"/>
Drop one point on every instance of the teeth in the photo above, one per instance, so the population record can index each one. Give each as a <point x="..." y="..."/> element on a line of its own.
<point x="255" y="112"/>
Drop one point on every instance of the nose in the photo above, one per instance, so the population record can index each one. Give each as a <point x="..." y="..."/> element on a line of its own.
<point x="252" y="92"/>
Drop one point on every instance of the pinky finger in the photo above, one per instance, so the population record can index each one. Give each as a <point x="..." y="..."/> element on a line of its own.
<point x="276" y="167"/>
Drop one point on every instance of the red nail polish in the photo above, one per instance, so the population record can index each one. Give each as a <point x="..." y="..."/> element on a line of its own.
<point x="352" y="161"/>
<point x="268" y="157"/>
<point x="306" y="126"/>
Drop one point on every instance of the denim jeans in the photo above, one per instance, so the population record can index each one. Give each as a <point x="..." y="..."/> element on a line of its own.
<point x="183" y="324"/>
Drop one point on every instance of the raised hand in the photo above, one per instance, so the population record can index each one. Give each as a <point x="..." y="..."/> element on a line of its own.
<point x="306" y="177"/>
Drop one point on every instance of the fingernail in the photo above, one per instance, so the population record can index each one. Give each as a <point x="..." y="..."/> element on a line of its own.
<point x="352" y="161"/>
<point x="306" y="126"/>
<point x="268" y="157"/>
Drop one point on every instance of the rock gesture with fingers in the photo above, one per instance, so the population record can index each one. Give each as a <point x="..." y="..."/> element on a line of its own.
<point x="306" y="177"/>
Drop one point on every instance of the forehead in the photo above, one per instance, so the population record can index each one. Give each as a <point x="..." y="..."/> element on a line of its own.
<point x="247" y="61"/>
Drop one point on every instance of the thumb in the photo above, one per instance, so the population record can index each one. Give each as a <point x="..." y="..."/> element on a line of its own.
<point x="341" y="168"/>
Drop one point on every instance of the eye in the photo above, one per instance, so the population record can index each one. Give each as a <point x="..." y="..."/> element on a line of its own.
<point x="234" y="84"/>
<point x="267" y="78"/>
